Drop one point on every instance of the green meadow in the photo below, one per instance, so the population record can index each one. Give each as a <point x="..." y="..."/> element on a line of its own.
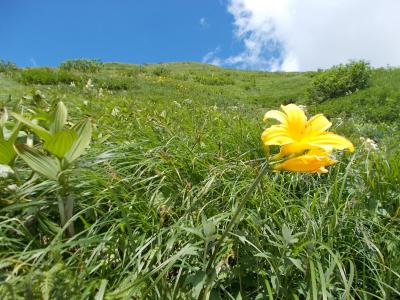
<point x="174" y="148"/>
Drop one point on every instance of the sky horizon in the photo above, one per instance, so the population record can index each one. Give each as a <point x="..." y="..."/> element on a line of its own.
<point x="286" y="35"/>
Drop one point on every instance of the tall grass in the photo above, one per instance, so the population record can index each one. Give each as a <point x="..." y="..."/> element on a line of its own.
<point x="159" y="187"/>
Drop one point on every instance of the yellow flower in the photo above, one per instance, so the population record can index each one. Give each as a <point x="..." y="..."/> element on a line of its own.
<point x="314" y="161"/>
<point x="296" y="134"/>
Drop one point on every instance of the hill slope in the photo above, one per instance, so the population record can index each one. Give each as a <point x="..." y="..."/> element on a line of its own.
<point x="175" y="148"/>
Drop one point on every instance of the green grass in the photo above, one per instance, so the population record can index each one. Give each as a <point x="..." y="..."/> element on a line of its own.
<point x="175" y="148"/>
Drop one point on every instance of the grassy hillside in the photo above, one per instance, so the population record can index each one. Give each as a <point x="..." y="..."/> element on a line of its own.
<point x="175" y="148"/>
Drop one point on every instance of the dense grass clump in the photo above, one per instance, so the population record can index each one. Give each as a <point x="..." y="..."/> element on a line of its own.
<point x="171" y="158"/>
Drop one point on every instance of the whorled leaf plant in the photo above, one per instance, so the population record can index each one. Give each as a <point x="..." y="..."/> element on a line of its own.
<point x="7" y="139"/>
<point x="62" y="146"/>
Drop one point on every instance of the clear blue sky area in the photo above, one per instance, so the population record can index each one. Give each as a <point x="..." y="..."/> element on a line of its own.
<point x="47" y="32"/>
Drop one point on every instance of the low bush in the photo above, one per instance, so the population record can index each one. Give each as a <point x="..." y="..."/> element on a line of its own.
<point x="82" y="65"/>
<point x="116" y="83"/>
<point x="339" y="80"/>
<point x="215" y="79"/>
<point x="161" y="71"/>
<point x="7" y="66"/>
<point x="47" y="76"/>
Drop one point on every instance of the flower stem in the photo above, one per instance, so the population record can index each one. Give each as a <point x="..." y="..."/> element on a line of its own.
<point x="236" y="214"/>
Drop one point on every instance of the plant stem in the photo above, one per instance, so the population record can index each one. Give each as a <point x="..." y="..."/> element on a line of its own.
<point x="61" y="209"/>
<point x="16" y="175"/>
<point x="66" y="206"/>
<point x="236" y="214"/>
<point x="69" y="211"/>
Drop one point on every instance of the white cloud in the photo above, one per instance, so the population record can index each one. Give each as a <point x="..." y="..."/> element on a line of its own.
<point x="293" y="35"/>
<point x="212" y="58"/>
<point x="203" y="23"/>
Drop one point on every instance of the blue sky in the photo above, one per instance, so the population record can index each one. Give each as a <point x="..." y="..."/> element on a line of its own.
<point x="47" y="32"/>
<point x="276" y="35"/>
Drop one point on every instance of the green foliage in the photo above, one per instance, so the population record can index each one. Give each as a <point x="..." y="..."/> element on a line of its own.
<point x="8" y="135"/>
<point x="380" y="102"/>
<point x="215" y="79"/>
<point x="339" y="80"/>
<point x="47" y="76"/>
<point x="116" y="83"/>
<point x="170" y="163"/>
<point x="161" y="70"/>
<point x="64" y="147"/>
<point x="7" y="66"/>
<point x="82" y="65"/>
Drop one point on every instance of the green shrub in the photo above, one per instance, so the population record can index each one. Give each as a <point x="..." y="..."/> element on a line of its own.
<point x="47" y="76"/>
<point x="161" y="71"/>
<point x="215" y="79"/>
<point x="7" y="66"/>
<point x="133" y="72"/>
<point x="116" y="83"/>
<point x="82" y="65"/>
<point x="339" y="80"/>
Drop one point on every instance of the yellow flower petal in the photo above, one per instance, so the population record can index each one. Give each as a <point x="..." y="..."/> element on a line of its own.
<point x="307" y="163"/>
<point x="276" y="135"/>
<point x="276" y="115"/>
<point x="330" y="141"/>
<point x="318" y="124"/>
<point x="296" y="119"/>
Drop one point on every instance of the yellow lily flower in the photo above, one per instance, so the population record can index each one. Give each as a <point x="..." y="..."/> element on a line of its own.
<point x="296" y="134"/>
<point x="314" y="161"/>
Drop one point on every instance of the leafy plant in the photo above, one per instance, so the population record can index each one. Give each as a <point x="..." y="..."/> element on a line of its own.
<point x="215" y="79"/>
<point x="7" y="138"/>
<point x="161" y="70"/>
<point x="7" y="66"/>
<point x="60" y="149"/>
<point x="116" y="84"/>
<point x="82" y="65"/>
<point x="47" y="76"/>
<point x="339" y="80"/>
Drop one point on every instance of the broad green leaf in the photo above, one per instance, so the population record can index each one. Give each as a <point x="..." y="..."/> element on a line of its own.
<point x="84" y="131"/>
<point x="59" y="118"/>
<point x="38" y="162"/>
<point x="7" y="152"/>
<point x="60" y="143"/>
<point x="38" y="130"/>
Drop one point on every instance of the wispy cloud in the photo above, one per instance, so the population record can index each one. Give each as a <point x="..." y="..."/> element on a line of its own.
<point x="293" y="35"/>
<point x="203" y="23"/>
<point x="212" y="57"/>
<point x="33" y="62"/>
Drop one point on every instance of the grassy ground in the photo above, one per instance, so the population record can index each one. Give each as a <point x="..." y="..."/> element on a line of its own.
<point x="175" y="148"/>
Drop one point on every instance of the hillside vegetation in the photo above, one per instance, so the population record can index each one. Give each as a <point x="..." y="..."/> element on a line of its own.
<point x="174" y="148"/>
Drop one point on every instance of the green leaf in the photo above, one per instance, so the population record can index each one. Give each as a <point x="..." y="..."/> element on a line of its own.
<point x="102" y="289"/>
<point x="38" y="130"/>
<point x="3" y="116"/>
<point x="84" y="131"/>
<point x="3" y="120"/>
<point x="38" y="162"/>
<point x="59" y="118"/>
<point x="61" y="142"/>
<point x="14" y="133"/>
<point x="7" y="152"/>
